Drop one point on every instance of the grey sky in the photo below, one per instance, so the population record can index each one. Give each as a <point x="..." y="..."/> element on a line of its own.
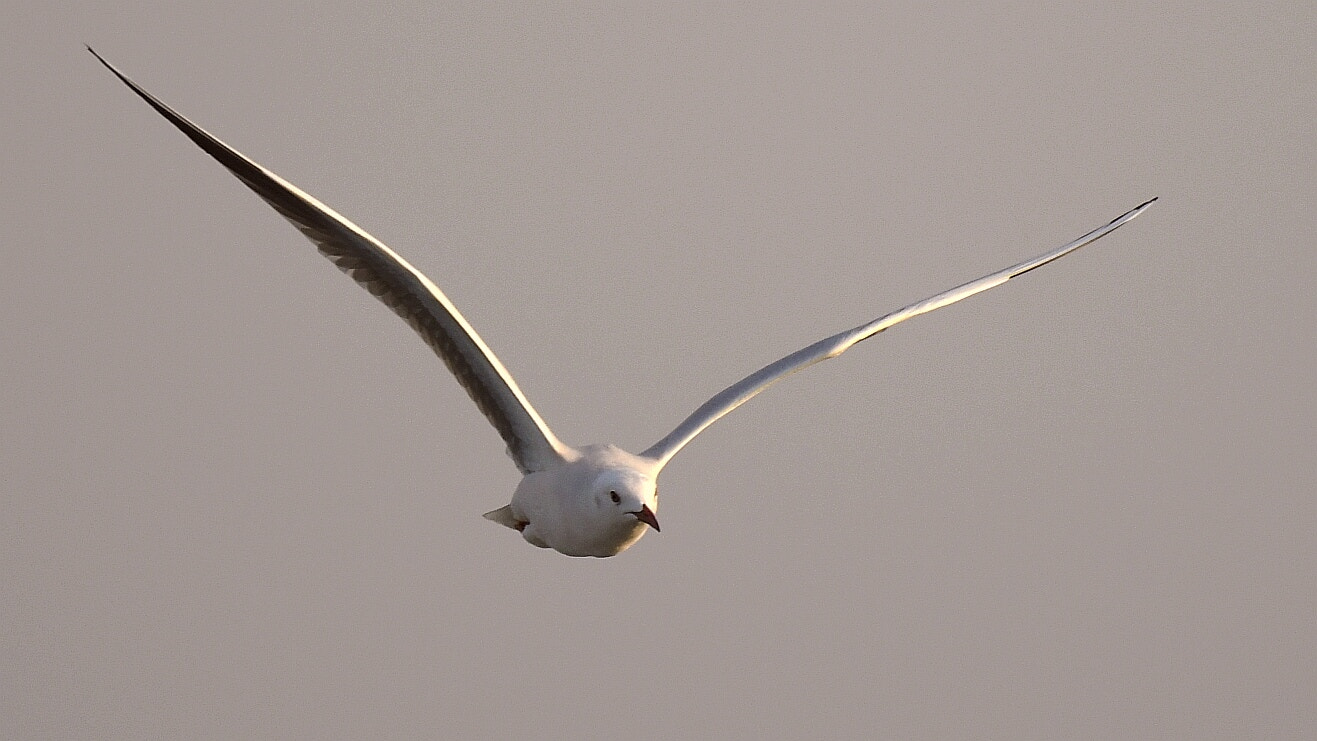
<point x="241" y="499"/>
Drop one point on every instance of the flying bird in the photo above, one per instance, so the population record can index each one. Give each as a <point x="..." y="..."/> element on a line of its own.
<point x="594" y="500"/>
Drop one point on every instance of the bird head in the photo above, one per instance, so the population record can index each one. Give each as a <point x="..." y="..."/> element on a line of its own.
<point x="627" y="497"/>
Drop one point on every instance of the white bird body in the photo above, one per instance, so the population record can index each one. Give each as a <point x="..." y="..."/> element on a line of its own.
<point x="596" y="500"/>
<point x="570" y="507"/>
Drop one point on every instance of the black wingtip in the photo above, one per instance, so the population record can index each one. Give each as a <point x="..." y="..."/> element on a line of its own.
<point x="140" y="92"/>
<point x="1139" y="208"/>
<point x="1134" y="211"/>
<point x="1143" y="205"/>
<point x="108" y="66"/>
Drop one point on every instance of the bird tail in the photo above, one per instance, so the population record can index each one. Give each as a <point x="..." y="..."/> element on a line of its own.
<point x="503" y="516"/>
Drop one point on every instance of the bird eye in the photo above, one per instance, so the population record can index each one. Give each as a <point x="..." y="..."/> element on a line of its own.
<point x="613" y="495"/>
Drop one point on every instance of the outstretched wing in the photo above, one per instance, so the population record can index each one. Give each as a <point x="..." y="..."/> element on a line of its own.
<point x="741" y="392"/>
<point x="531" y="444"/>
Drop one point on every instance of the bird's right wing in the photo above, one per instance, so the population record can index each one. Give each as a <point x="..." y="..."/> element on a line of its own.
<point x="743" y="390"/>
<point x="403" y="288"/>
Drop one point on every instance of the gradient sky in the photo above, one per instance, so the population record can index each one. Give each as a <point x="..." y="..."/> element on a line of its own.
<point x="242" y="500"/>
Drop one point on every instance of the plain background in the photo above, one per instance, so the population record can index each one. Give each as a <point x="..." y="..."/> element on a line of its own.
<point x="242" y="500"/>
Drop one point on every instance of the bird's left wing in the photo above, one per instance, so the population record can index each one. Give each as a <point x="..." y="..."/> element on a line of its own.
<point x="743" y="390"/>
<point x="403" y="288"/>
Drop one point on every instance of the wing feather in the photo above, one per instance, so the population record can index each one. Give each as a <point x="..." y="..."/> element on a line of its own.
<point x="401" y="287"/>
<point x="742" y="391"/>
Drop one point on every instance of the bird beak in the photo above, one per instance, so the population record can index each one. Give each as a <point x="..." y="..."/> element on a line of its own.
<point x="646" y="515"/>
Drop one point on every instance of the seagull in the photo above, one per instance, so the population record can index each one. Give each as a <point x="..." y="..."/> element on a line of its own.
<point x="594" y="500"/>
